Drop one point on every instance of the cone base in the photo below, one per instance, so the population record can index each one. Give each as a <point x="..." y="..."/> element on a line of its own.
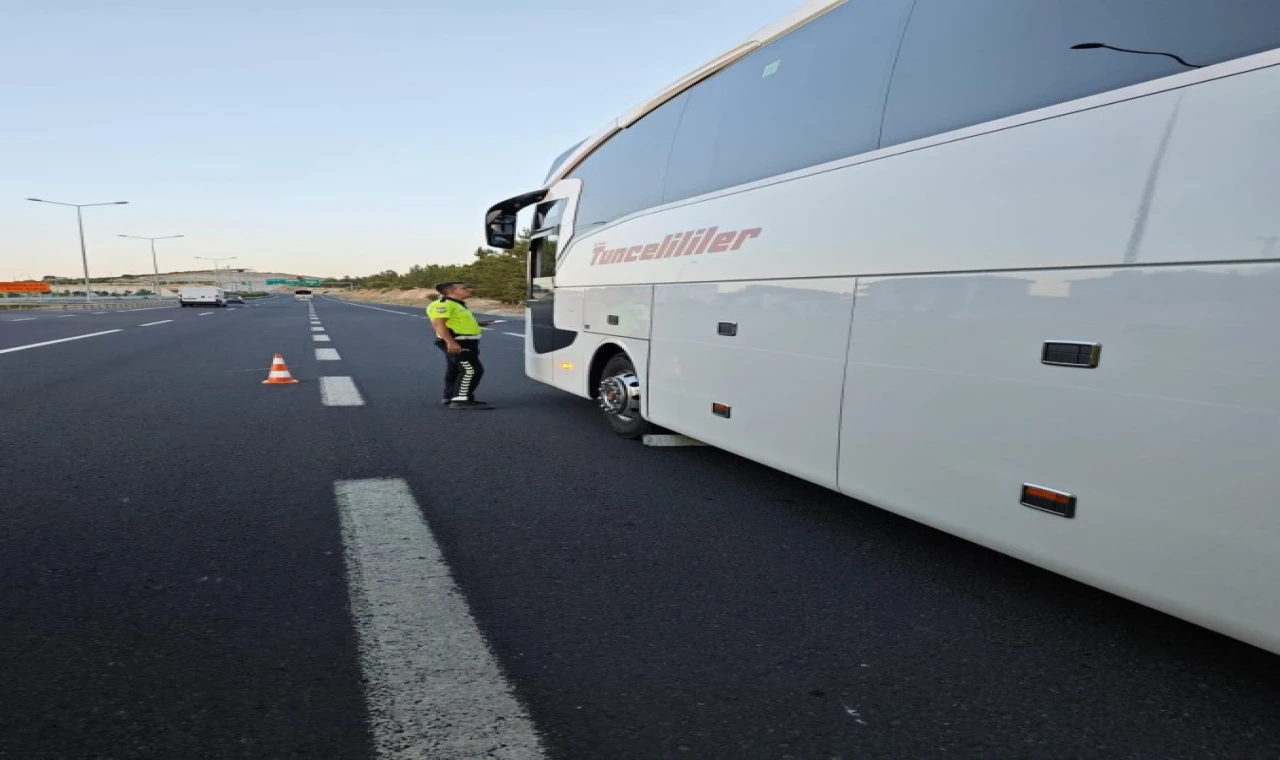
<point x="279" y="382"/>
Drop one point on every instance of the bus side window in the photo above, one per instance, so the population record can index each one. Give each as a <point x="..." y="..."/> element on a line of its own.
<point x="964" y="63"/>
<point x="813" y="96"/>
<point x="626" y="173"/>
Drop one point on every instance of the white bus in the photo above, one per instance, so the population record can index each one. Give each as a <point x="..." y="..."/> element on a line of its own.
<point x="1008" y="268"/>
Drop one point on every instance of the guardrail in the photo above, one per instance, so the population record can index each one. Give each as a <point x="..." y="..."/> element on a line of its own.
<point x="103" y="305"/>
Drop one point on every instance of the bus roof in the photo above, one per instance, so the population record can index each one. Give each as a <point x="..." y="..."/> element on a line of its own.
<point x="762" y="36"/>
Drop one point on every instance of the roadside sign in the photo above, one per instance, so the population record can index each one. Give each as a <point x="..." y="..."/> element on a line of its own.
<point x="27" y="286"/>
<point x="301" y="281"/>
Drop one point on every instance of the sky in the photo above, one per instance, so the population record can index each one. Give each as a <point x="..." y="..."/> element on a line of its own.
<point x="312" y="136"/>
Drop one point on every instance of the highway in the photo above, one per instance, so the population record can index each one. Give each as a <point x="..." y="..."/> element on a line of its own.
<point x="197" y="565"/>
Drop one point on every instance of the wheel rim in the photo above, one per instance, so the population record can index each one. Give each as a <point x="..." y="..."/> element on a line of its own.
<point x="620" y="396"/>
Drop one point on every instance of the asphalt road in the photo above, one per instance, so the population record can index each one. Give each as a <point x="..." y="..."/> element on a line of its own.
<point x="176" y="577"/>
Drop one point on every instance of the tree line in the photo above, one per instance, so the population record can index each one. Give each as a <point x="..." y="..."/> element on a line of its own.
<point x="499" y="275"/>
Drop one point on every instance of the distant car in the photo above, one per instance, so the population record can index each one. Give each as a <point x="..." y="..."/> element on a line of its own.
<point x="233" y="298"/>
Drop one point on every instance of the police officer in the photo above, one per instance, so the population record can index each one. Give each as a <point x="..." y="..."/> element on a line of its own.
<point x="458" y="335"/>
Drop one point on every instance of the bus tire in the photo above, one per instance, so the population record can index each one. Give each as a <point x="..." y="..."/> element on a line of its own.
<point x="619" y="397"/>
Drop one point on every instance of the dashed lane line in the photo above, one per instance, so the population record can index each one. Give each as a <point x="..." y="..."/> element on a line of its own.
<point x="327" y="355"/>
<point x="317" y="329"/>
<point x="152" y="324"/>
<point x="66" y="315"/>
<point x="340" y="391"/>
<point x="24" y="319"/>
<point x="321" y="338"/>
<point x="60" y="340"/>
<point x="432" y="686"/>
<point x="515" y="335"/>
<point x="204" y="314"/>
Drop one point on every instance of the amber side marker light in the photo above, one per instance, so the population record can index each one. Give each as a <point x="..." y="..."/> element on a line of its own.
<point x="1049" y="500"/>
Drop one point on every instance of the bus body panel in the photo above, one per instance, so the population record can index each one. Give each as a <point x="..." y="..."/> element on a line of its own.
<point x="780" y="373"/>
<point x="622" y="311"/>
<point x="1170" y="445"/>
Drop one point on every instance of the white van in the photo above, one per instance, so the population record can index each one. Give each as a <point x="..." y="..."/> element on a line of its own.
<point x="202" y="295"/>
<point x="302" y="295"/>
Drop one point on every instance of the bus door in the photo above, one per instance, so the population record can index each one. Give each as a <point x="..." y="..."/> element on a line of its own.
<point x="552" y="323"/>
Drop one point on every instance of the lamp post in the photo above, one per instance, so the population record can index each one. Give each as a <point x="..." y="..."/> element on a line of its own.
<point x="215" y="259"/>
<point x="84" y="257"/>
<point x="155" y="266"/>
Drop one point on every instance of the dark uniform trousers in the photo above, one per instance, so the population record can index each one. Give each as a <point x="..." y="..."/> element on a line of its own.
<point x="464" y="370"/>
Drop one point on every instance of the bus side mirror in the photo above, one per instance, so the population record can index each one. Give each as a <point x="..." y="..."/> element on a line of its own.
<point x="501" y="231"/>
<point x="500" y="219"/>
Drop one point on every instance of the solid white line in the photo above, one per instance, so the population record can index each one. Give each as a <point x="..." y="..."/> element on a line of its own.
<point x="327" y="355"/>
<point x="378" y="308"/>
<point x="51" y="342"/>
<point x="149" y="324"/>
<point x="432" y="686"/>
<point x="320" y="338"/>
<point x="24" y="319"/>
<point x="340" y="391"/>
<point x="205" y="314"/>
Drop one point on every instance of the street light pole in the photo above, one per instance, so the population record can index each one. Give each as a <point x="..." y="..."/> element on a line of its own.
<point x="84" y="256"/>
<point x="217" y="281"/>
<point x="155" y="266"/>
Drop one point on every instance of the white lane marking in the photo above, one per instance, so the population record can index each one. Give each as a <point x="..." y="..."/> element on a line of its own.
<point x="340" y="391"/>
<point x="321" y="338"/>
<point x="432" y="686"/>
<point x="24" y="319"/>
<point x="205" y="314"/>
<point x="149" y="308"/>
<point x="150" y="324"/>
<point x="317" y="329"/>
<point x="378" y="308"/>
<point x="327" y="355"/>
<point x="67" y="315"/>
<point x="59" y="340"/>
<point x="100" y="312"/>
<point x="516" y="335"/>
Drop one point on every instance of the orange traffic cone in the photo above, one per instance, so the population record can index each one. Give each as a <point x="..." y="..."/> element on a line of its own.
<point x="279" y="373"/>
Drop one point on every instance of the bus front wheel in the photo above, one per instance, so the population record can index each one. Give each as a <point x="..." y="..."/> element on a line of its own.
<point x="619" y="397"/>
